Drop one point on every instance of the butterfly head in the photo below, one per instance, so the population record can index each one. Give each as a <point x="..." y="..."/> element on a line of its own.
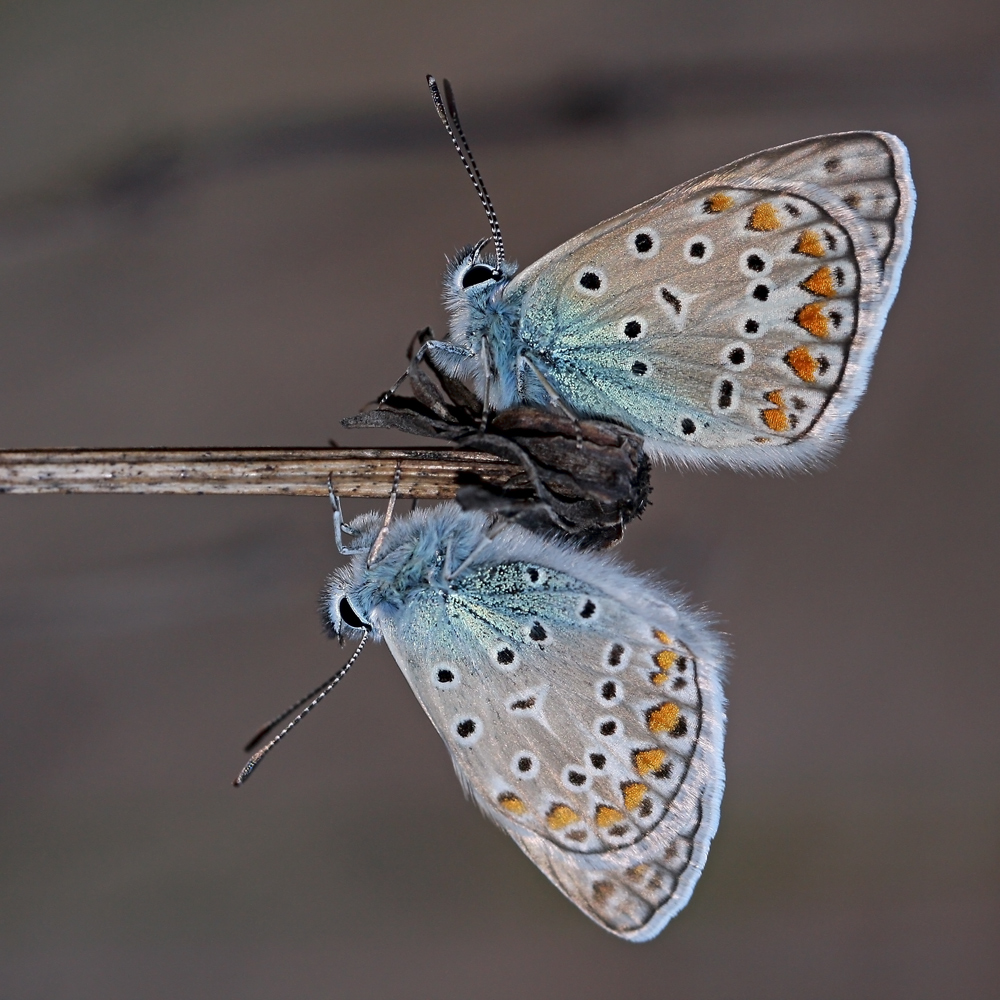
<point x="473" y="275"/>
<point x="483" y="323"/>
<point x="347" y="601"/>
<point x="343" y="618"/>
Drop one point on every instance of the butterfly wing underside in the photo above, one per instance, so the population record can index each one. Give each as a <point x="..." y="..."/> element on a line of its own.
<point x="585" y="718"/>
<point x="732" y="319"/>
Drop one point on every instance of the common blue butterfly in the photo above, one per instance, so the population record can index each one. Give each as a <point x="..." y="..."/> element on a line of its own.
<point x="731" y="321"/>
<point x="581" y="703"/>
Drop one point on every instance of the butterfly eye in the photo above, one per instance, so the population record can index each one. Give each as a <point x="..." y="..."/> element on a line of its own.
<point x="476" y="275"/>
<point x="349" y="616"/>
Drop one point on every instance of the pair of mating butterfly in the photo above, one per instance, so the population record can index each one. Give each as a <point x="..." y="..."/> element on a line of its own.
<point x="731" y="321"/>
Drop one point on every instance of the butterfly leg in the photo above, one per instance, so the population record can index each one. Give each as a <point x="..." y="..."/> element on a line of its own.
<point x="486" y="366"/>
<point x="380" y="537"/>
<point x="339" y="528"/>
<point x="522" y="389"/>
<point x="446" y="569"/>
<point x="414" y="354"/>
<point x="555" y="400"/>
<point x="414" y="360"/>
<point x="449" y="573"/>
<point x="451" y="355"/>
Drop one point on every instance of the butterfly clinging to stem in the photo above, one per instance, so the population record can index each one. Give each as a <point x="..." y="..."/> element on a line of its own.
<point x="732" y="320"/>
<point x="581" y="703"/>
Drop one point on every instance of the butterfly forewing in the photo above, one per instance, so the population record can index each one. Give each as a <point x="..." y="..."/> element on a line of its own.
<point x="583" y="712"/>
<point x="734" y="318"/>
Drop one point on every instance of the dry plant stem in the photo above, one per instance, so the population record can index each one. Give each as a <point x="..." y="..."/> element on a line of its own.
<point x="430" y="474"/>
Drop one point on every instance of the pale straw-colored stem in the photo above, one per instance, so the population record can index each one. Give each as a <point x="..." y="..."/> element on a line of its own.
<point x="424" y="473"/>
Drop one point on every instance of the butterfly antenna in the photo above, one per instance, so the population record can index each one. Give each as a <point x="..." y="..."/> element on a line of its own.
<point x="313" y="699"/>
<point x="449" y="118"/>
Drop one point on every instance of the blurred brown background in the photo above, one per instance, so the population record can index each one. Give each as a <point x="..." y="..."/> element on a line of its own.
<point x="220" y="223"/>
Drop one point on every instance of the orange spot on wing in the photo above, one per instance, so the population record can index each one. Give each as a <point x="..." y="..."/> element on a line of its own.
<point x="764" y="218"/>
<point x="648" y="761"/>
<point x="810" y="244"/>
<point x="802" y="363"/>
<point x="607" y="816"/>
<point x="633" y="792"/>
<point x="665" y="658"/>
<point x="561" y="816"/>
<point x="663" y="718"/>
<point x="660" y="636"/>
<point x="637" y="873"/>
<point x="776" y="420"/>
<point x="512" y="803"/>
<point x="718" y="202"/>
<point x="820" y="282"/>
<point x="812" y="319"/>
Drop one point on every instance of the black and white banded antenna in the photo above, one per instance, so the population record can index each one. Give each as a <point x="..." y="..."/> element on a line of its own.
<point x="313" y="698"/>
<point x="447" y="111"/>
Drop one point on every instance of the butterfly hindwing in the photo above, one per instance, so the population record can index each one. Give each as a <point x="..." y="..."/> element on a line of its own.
<point x="734" y="318"/>
<point x="583" y="711"/>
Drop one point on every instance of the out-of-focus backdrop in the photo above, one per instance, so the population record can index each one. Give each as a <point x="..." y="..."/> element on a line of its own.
<point x="220" y="223"/>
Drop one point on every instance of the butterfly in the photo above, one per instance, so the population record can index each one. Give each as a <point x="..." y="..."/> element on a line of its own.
<point x="731" y="321"/>
<point x="581" y="703"/>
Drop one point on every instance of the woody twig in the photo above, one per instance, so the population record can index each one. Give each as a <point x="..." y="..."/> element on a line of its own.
<point x="430" y="474"/>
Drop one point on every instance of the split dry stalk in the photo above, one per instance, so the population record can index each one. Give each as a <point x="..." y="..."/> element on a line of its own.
<point x="425" y="473"/>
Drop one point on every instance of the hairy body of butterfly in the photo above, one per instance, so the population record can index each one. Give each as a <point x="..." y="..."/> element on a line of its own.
<point x="732" y="320"/>
<point x="581" y="704"/>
